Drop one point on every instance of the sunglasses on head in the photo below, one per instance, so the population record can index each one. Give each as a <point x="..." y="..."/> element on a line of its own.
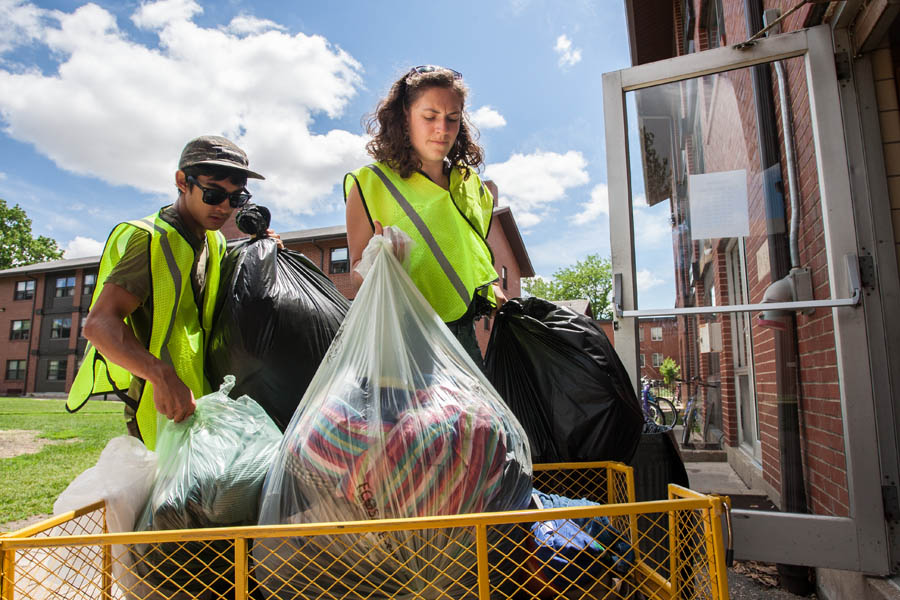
<point x="422" y="69"/>
<point x="215" y="196"/>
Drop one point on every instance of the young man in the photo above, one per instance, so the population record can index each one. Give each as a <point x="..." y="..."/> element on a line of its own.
<point x="158" y="278"/>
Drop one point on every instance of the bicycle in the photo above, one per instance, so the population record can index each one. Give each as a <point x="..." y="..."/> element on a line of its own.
<point x="691" y="409"/>
<point x="657" y="409"/>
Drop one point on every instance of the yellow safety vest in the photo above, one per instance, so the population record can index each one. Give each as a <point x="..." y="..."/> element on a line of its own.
<point x="450" y="259"/>
<point x="178" y="331"/>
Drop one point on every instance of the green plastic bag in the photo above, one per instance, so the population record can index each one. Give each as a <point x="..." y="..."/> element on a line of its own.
<point x="211" y="469"/>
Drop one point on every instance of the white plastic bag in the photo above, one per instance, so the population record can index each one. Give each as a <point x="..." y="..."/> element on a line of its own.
<point x="122" y="477"/>
<point x="398" y="422"/>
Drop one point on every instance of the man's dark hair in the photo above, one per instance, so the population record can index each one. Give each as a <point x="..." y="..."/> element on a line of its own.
<point x="217" y="173"/>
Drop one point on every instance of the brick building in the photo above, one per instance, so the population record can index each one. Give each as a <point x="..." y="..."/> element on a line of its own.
<point x="43" y="306"/>
<point x="778" y="161"/>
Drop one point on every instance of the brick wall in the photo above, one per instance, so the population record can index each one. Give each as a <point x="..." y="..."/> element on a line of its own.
<point x="730" y="142"/>
<point x="13" y="310"/>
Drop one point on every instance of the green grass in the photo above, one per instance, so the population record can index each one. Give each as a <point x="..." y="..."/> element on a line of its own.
<point x="32" y="482"/>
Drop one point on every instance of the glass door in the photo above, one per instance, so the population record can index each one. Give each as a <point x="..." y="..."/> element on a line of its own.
<point x="728" y="181"/>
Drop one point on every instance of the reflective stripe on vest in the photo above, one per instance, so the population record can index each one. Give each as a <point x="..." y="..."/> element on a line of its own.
<point x="450" y="259"/>
<point x="177" y="335"/>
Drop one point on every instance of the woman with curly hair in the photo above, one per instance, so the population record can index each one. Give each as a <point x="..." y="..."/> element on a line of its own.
<point x="424" y="182"/>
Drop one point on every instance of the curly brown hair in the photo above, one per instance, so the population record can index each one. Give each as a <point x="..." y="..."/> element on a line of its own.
<point x="390" y="135"/>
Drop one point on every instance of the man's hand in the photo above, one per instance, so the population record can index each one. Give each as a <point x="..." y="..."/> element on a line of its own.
<point x="277" y="237"/>
<point x="172" y="398"/>
<point x="500" y="297"/>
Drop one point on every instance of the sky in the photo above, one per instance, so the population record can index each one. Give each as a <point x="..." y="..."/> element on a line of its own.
<point x="98" y="99"/>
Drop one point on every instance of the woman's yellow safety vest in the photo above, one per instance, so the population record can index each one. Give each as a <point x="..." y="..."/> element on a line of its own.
<point x="450" y="259"/>
<point x="178" y="331"/>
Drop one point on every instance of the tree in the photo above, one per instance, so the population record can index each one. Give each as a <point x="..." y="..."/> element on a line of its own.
<point x="18" y="246"/>
<point x="670" y="370"/>
<point x="590" y="278"/>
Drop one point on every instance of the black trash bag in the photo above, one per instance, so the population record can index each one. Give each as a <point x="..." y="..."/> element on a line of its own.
<point x="561" y="377"/>
<point x="275" y="317"/>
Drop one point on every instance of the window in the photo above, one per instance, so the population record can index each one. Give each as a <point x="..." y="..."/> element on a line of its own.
<point x="656" y="334"/>
<point x="640" y="334"/>
<point x="90" y="282"/>
<point x="715" y="26"/>
<point x="487" y="324"/>
<point x="15" y="370"/>
<point x="657" y="359"/>
<point x="60" y="328"/>
<point x="642" y="361"/>
<point x="503" y="276"/>
<point x="65" y="286"/>
<point x="24" y="290"/>
<point x="56" y="370"/>
<point x="81" y="326"/>
<point x="20" y="330"/>
<point x="340" y="261"/>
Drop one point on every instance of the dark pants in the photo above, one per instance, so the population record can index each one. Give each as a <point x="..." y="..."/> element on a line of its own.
<point x="464" y="330"/>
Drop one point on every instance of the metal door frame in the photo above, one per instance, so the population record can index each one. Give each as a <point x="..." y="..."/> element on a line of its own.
<point x="858" y="542"/>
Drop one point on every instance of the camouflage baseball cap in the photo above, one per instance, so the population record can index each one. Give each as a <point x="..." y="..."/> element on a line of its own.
<point x="215" y="150"/>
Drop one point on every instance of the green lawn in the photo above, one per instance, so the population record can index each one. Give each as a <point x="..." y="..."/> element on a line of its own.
<point x="32" y="482"/>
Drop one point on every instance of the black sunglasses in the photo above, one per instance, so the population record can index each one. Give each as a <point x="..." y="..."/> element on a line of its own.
<point x="422" y="69"/>
<point x="215" y="196"/>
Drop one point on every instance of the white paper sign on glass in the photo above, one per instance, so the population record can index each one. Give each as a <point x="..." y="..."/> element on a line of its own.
<point x="718" y="204"/>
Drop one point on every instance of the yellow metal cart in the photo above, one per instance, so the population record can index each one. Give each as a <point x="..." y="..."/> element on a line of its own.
<point x="678" y="544"/>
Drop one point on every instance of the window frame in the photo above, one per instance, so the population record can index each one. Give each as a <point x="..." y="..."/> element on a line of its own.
<point x="19" y="372"/>
<point x="653" y="331"/>
<point x="344" y="263"/>
<point x="21" y="330"/>
<point x="85" y="285"/>
<point x="61" y="366"/>
<point x="53" y="328"/>
<point x="24" y="294"/>
<point x="68" y="290"/>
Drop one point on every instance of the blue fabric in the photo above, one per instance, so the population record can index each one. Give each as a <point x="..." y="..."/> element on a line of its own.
<point x="571" y="547"/>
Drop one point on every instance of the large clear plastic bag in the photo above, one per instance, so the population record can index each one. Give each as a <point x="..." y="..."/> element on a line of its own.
<point x="211" y="469"/>
<point x="123" y="477"/>
<point x="398" y="422"/>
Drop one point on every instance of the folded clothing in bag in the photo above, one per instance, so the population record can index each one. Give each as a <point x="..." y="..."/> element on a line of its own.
<point x="211" y="470"/>
<point x="572" y="555"/>
<point x="398" y="422"/>
<point x="275" y="317"/>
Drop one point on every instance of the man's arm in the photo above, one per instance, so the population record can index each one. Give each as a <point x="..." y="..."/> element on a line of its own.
<point x="106" y="329"/>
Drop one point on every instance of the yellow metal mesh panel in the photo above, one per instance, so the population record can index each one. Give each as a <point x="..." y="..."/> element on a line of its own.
<point x="661" y="550"/>
<point x="60" y="571"/>
<point x="428" y="563"/>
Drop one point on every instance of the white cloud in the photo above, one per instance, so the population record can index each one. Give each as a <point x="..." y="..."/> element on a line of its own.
<point x="156" y="15"/>
<point x="121" y="111"/>
<point x="248" y="24"/>
<point x="531" y="183"/>
<point x="487" y="118"/>
<point x="647" y="280"/>
<point x="21" y="23"/>
<point x="568" y="55"/>
<point x="596" y="206"/>
<point x="83" y="246"/>
<point x="2" y="175"/>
